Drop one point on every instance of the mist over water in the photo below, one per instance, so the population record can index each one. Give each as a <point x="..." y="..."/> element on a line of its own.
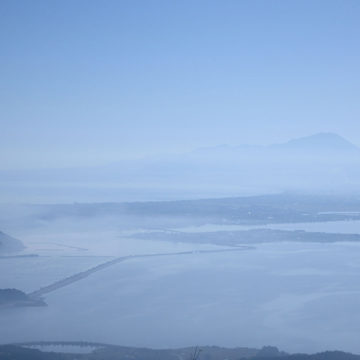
<point x="179" y="174"/>
<point x="278" y="293"/>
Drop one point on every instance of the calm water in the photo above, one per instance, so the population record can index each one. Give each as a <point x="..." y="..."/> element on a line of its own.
<point x="278" y="294"/>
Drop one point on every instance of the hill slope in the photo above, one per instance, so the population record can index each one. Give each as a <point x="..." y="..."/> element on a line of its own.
<point x="8" y="244"/>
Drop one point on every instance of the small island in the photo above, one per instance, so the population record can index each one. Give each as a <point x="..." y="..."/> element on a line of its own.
<point x="16" y="298"/>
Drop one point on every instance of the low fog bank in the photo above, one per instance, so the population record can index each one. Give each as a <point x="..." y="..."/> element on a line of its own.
<point x="107" y="228"/>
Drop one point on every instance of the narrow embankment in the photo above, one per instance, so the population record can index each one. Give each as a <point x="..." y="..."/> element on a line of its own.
<point x="84" y="274"/>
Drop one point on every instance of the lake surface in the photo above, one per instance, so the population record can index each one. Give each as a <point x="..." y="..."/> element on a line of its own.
<point x="299" y="297"/>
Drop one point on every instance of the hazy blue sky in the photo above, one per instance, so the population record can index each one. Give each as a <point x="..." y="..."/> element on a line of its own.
<point x="85" y="82"/>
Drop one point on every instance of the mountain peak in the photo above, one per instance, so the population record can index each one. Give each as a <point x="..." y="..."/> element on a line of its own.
<point x="324" y="140"/>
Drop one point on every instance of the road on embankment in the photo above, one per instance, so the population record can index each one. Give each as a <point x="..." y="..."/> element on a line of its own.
<point x="84" y="274"/>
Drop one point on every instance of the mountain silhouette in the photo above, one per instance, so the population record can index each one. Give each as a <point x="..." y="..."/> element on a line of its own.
<point x="320" y="141"/>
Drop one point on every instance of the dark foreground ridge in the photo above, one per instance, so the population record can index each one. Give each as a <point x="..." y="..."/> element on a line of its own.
<point x="26" y="351"/>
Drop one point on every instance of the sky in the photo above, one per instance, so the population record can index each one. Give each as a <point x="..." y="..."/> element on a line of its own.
<point x="89" y="82"/>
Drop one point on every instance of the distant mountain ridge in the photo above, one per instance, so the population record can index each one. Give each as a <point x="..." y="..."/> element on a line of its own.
<point x="328" y="141"/>
<point x="320" y="162"/>
<point x="323" y="140"/>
